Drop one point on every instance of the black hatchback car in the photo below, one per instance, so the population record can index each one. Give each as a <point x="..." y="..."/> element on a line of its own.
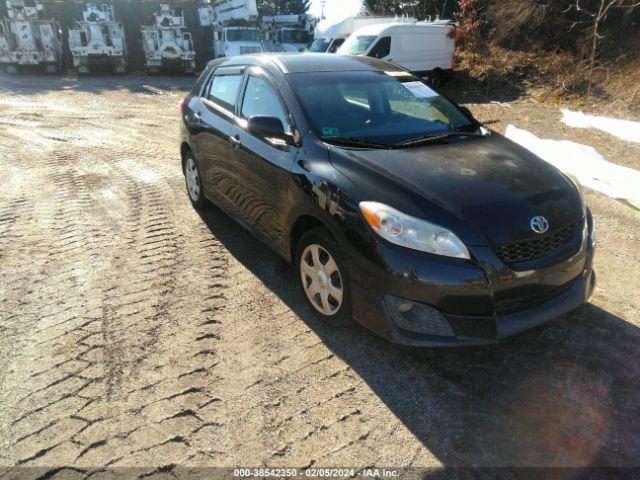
<point x="395" y="206"/>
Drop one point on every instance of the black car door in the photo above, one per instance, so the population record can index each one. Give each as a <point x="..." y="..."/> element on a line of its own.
<point x="261" y="165"/>
<point x="214" y="111"/>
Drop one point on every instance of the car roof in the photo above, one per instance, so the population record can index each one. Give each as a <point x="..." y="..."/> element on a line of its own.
<point x="311" y="62"/>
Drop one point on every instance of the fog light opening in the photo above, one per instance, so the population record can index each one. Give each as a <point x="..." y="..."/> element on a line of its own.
<point x="417" y="317"/>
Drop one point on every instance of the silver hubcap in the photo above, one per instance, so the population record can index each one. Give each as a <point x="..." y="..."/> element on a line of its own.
<point x="193" y="179"/>
<point x="321" y="279"/>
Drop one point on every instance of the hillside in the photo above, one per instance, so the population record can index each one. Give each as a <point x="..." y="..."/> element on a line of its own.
<point x="585" y="51"/>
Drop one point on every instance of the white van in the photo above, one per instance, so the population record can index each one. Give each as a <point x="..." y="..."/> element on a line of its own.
<point x="329" y="35"/>
<point x="423" y="48"/>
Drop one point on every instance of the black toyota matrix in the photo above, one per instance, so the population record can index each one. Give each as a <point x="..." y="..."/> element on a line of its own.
<point x="395" y="206"/>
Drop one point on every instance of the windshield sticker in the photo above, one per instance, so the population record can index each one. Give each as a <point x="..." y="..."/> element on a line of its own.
<point x="330" y="132"/>
<point x="419" y="89"/>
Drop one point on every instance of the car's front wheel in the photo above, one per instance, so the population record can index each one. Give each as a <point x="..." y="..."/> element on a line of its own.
<point x="323" y="276"/>
<point x="194" y="181"/>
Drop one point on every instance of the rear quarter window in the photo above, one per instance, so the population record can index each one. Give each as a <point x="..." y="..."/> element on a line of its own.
<point x="197" y="87"/>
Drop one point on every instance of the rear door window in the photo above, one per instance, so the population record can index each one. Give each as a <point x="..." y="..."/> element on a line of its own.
<point x="223" y="89"/>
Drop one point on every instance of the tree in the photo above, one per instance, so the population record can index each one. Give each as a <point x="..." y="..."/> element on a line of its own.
<point x="419" y="9"/>
<point x="598" y="14"/>
<point x="283" y="7"/>
<point x="295" y="6"/>
<point x="467" y="31"/>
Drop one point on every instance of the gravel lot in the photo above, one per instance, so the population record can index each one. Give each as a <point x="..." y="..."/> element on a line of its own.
<point x="136" y="332"/>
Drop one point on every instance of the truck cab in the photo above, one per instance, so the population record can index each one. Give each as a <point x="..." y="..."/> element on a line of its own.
<point x="291" y="39"/>
<point x="235" y="27"/>
<point x="287" y="33"/>
<point x="239" y="40"/>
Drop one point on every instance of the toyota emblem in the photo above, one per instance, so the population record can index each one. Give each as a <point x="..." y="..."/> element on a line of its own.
<point x="539" y="224"/>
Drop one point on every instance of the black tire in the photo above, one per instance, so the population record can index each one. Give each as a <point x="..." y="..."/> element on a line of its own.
<point x="320" y="236"/>
<point x="436" y="78"/>
<point x="198" y="201"/>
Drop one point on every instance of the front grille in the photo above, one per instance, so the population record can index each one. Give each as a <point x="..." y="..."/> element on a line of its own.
<point x="524" y="250"/>
<point x="524" y="299"/>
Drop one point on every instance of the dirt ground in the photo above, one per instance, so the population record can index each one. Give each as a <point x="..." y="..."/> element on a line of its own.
<point x="135" y="332"/>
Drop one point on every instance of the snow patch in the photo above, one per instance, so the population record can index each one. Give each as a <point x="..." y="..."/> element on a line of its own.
<point x="585" y="163"/>
<point x="624" y="129"/>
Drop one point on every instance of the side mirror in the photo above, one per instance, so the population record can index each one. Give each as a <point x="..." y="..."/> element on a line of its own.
<point x="268" y="127"/>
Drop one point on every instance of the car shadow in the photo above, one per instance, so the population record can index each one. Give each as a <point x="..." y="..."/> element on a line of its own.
<point x="465" y="88"/>
<point x="564" y="394"/>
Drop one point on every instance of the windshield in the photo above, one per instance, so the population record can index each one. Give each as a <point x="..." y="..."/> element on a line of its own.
<point x="380" y="107"/>
<point x="357" y="45"/>
<point x="320" y="45"/>
<point x="295" y="36"/>
<point x="251" y="35"/>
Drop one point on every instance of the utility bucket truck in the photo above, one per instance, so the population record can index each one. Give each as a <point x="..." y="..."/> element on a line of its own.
<point x="167" y="44"/>
<point x="28" y="38"/>
<point x="235" y="27"/>
<point x="330" y="34"/>
<point x="287" y="33"/>
<point x="98" y="41"/>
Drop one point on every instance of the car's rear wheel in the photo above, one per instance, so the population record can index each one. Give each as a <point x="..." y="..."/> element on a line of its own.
<point x="194" y="181"/>
<point x="436" y="78"/>
<point x="323" y="276"/>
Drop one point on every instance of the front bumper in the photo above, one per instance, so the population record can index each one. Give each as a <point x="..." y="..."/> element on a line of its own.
<point x="173" y="63"/>
<point x="28" y="57"/>
<point x="466" y="293"/>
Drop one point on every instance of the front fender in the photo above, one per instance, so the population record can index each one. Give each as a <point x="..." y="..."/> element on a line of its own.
<point x="319" y="190"/>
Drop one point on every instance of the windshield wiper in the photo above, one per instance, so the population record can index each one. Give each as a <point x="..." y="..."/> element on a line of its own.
<point x="434" y="137"/>
<point x="354" y="141"/>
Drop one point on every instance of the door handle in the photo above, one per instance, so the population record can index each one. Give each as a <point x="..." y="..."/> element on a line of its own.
<point x="197" y="116"/>
<point x="235" y="141"/>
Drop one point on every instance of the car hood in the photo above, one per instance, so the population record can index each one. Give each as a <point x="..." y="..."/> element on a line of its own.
<point x="486" y="190"/>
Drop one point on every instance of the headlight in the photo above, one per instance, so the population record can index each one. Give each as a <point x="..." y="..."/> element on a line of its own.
<point x="411" y="232"/>
<point x="586" y="235"/>
<point x="577" y="184"/>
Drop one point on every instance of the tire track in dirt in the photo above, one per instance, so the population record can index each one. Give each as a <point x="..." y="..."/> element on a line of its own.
<point x="113" y="249"/>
